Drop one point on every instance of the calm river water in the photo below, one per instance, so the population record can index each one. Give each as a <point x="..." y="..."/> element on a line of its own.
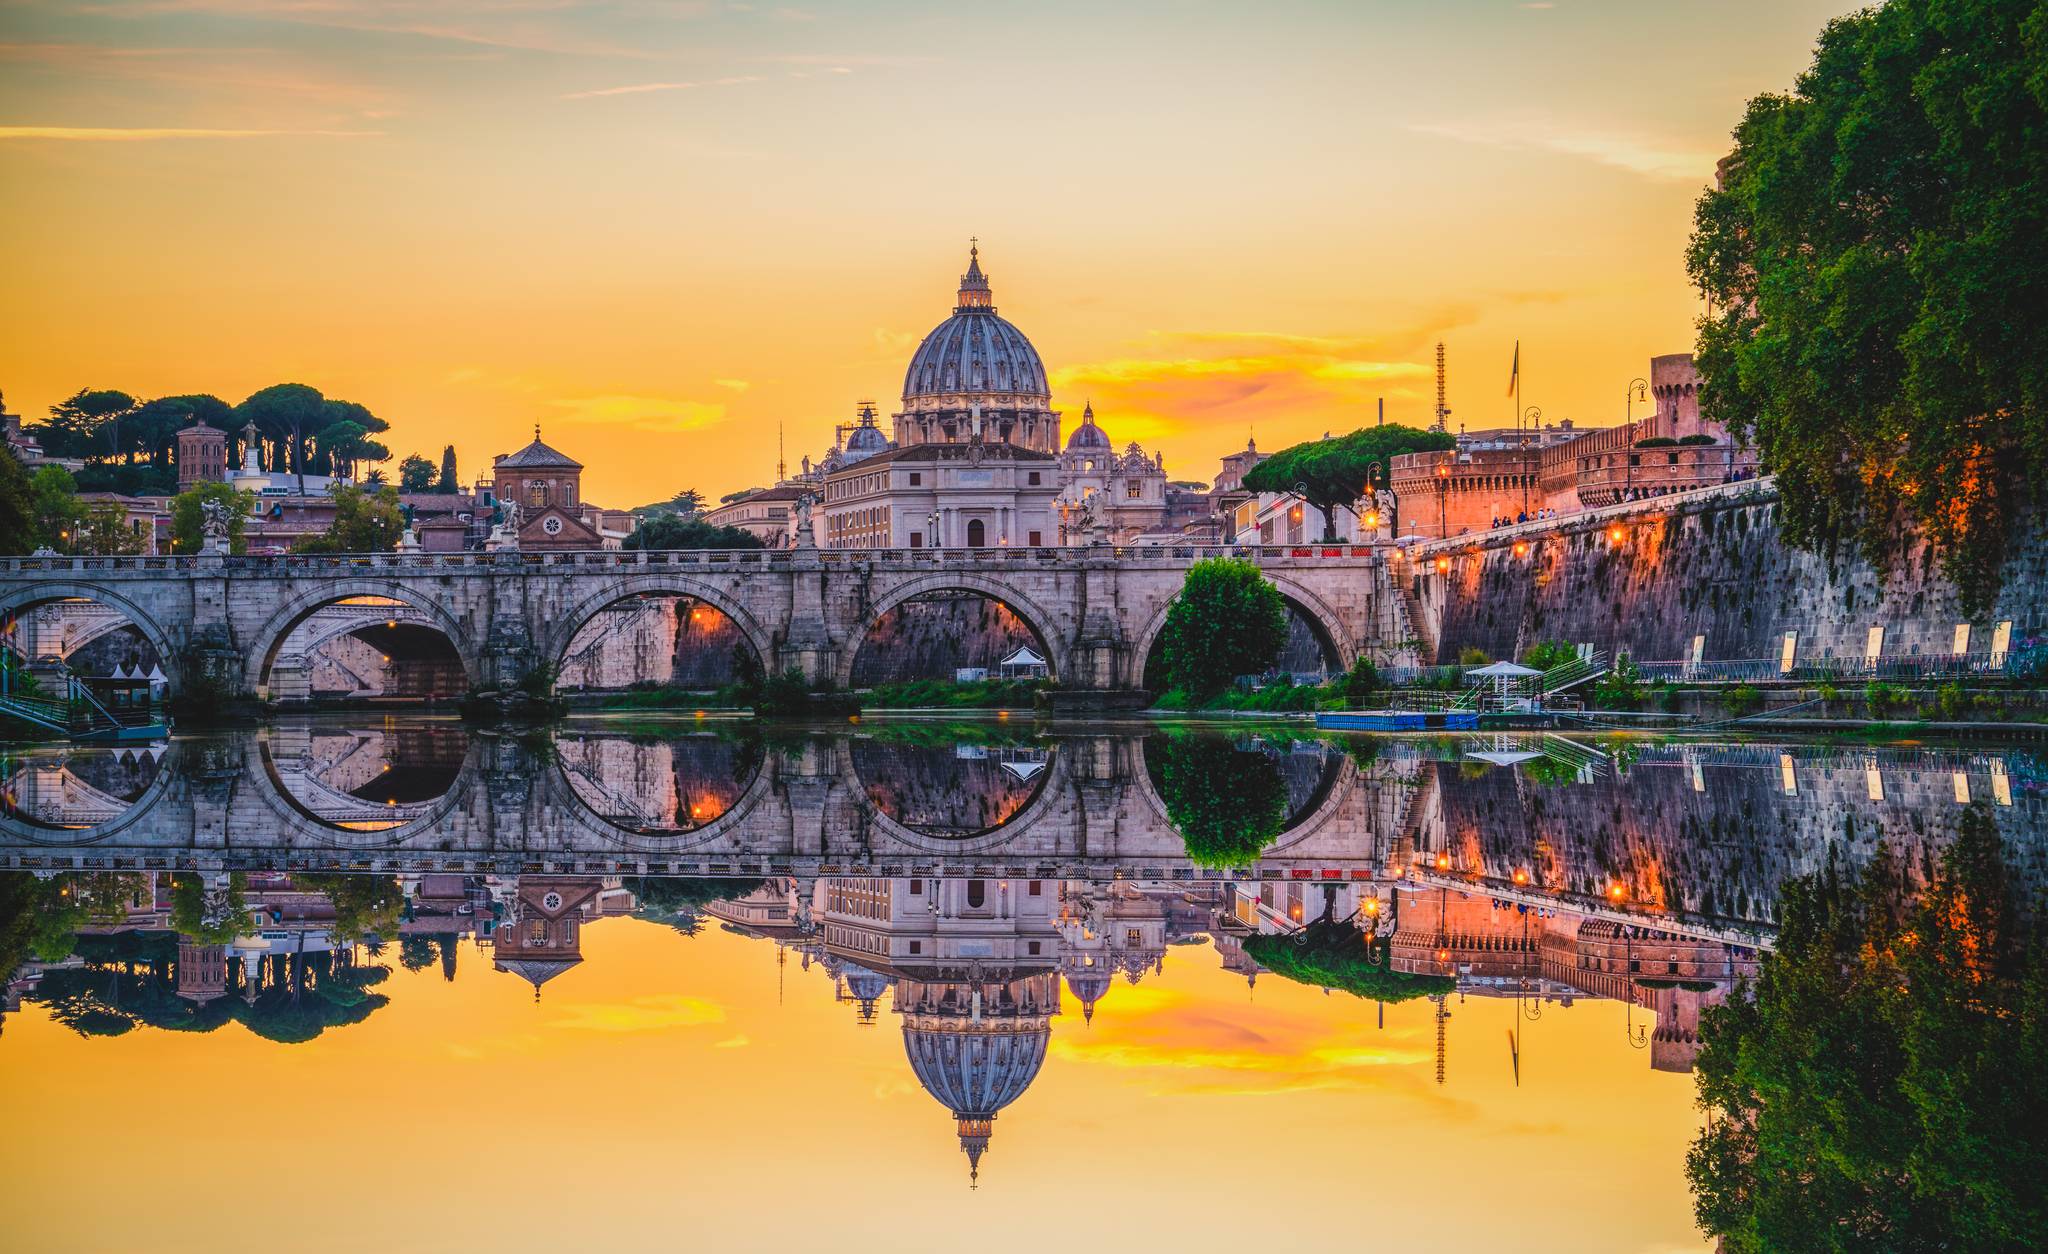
<point x="395" y="985"/>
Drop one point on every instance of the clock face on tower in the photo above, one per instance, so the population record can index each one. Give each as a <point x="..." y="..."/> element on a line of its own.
<point x="551" y="525"/>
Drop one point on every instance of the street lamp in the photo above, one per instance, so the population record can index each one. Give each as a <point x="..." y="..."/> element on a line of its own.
<point x="1638" y="1035"/>
<point x="1533" y="416"/>
<point x="1379" y="475"/>
<point x="1638" y="390"/>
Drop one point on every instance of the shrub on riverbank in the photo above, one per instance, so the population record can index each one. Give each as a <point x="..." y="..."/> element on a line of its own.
<point x="983" y="694"/>
<point x="1327" y="954"/>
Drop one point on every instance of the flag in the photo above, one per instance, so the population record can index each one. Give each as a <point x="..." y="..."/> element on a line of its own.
<point x="1515" y="371"/>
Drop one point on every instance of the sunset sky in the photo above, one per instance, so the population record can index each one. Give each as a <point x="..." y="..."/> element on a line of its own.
<point x="662" y="229"/>
<point x="672" y="1093"/>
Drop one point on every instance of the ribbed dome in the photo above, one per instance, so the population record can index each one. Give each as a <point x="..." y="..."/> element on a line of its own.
<point x="865" y="441"/>
<point x="974" y="351"/>
<point x="975" y="1073"/>
<point x="1088" y="435"/>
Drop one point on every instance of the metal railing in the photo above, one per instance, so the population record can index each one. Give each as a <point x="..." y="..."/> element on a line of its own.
<point x="1986" y="665"/>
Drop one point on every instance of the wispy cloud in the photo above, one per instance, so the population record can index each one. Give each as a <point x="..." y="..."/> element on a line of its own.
<point x="733" y="385"/>
<point x="1648" y="156"/>
<point x="634" y="89"/>
<point x="654" y="1013"/>
<point x="642" y="413"/>
<point x="129" y="134"/>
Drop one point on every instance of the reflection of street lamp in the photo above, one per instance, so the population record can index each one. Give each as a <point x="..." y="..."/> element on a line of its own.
<point x="1637" y="1034"/>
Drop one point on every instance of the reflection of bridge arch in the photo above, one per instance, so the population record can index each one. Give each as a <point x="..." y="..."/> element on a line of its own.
<point x="1033" y="616"/>
<point x="1050" y="786"/>
<point x="1322" y="619"/>
<point x="735" y="818"/>
<point x="307" y="826"/>
<point x="563" y="632"/>
<point x="133" y="813"/>
<point x="270" y="638"/>
<point x="1332" y="794"/>
<point x="15" y="601"/>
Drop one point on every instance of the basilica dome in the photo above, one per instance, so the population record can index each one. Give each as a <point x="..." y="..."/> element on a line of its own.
<point x="1088" y="436"/>
<point x="975" y="1073"/>
<point x="866" y="441"/>
<point x="974" y="352"/>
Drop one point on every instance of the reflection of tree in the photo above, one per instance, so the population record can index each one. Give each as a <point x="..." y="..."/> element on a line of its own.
<point x="1329" y="954"/>
<point x="1228" y="802"/>
<point x="364" y="905"/>
<point x="1883" y="1086"/>
<point x="211" y="923"/>
<point x="325" y="990"/>
<point x="679" y="900"/>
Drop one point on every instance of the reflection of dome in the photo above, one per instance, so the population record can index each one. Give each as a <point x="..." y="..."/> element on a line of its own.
<point x="975" y="1071"/>
<point x="536" y="971"/>
<point x="1088" y="435"/>
<point x="1088" y="985"/>
<point x="974" y="351"/>
<point x="865" y="987"/>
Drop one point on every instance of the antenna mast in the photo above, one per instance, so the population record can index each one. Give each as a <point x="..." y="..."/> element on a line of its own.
<point x="781" y="467"/>
<point x="1443" y="411"/>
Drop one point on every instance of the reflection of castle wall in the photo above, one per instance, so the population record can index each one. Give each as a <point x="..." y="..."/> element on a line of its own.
<point x="1716" y="851"/>
<point x="680" y="784"/>
<point x="970" y="789"/>
<point x="931" y="639"/>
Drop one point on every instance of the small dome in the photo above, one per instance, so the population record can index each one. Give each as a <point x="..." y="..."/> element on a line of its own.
<point x="866" y="441"/>
<point x="1088" y="435"/>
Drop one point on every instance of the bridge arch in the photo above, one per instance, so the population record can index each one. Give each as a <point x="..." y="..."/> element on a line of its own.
<point x="1338" y="778"/>
<point x="732" y="826"/>
<point x="562" y="633"/>
<point x="1044" y="803"/>
<point x="1037" y="618"/>
<point x="1321" y="617"/>
<point x="269" y="638"/>
<point x="296" y="815"/>
<point x="16" y="600"/>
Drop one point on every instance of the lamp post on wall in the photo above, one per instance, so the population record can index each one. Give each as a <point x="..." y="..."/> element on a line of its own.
<point x="1637" y="1034"/>
<point x="1534" y="417"/>
<point x="1379" y="476"/>
<point x="1638" y="390"/>
<point x="1443" y="487"/>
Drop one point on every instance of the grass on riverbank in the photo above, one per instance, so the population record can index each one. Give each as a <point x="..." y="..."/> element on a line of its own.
<point x="940" y="694"/>
<point x="1281" y="698"/>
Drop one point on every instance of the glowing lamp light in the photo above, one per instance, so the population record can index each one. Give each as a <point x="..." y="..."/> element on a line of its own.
<point x="1521" y="548"/>
<point x="1443" y="565"/>
<point x="1372" y="905"/>
<point x="1372" y="518"/>
<point x="1616" y="891"/>
<point x="391" y="624"/>
<point x="1614" y="535"/>
<point x="1443" y="862"/>
<point x="1521" y="877"/>
<point x="1443" y="955"/>
<point x="700" y="714"/>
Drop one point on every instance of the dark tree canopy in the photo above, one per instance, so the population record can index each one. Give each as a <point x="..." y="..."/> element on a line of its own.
<point x="1332" y="473"/>
<point x="1333" y="955"/>
<point x="1876" y="267"/>
<point x="675" y="531"/>
<point x="447" y="485"/>
<point x="17" y="508"/>
<point x="188" y="516"/>
<point x="689" y="502"/>
<point x="1227" y="621"/>
<point x="1883" y="1087"/>
<point x="1228" y="801"/>
<point x="415" y="474"/>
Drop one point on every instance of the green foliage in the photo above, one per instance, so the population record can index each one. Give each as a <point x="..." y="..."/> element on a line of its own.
<point x="1551" y="772"/>
<point x="669" y="530"/>
<point x="790" y="695"/>
<point x="17" y="508"/>
<point x="104" y="531"/>
<point x="1227" y="621"/>
<point x="1472" y="655"/>
<point x="1698" y="439"/>
<point x="1620" y="688"/>
<point x="415" y="474"/>
<point x="1548" y="655"/>
<point x="1881" y="700"/>
<point x="1227" y="800"/>
<point x="1362" y="681"/>
<point x="189" y="913"/>
<point x="1332" y="473"/>
<point x="364" y="905"/>
<point x="1873" y="264"/>
<point x="448" y="484"/>
<point x="1881" y="1086"/>
<point x="1333" y="955"/>
<point x="679" y="900"/>
<point x="687" y="503"/>
<point x="1657" y="441"/>
<point x="1742" y="699"/>
<point x="188" y="516"/>
<point x="983" y="694"/>
<point x="365" y="521"/>
<point x="1283" y="696"/>
<point x="58" y="511"/>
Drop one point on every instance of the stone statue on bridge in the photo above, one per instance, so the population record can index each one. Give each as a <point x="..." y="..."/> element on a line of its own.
<point x="213" y="527"/>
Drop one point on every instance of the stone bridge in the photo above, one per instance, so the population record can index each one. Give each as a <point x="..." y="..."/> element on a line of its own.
<point x="1097" y="610"/>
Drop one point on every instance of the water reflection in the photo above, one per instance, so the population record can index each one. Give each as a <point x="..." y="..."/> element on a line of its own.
<point x="1207" y="914"/>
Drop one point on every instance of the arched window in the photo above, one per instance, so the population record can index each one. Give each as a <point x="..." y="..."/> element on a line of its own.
<point x="977" y="894"/>
<point x="977" y="536"/>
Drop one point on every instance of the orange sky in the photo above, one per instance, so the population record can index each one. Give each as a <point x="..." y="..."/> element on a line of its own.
<point x="664" y="229"/>
<point x="662" y="1094"/>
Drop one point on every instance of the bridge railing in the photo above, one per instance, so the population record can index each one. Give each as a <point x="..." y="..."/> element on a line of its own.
<point x="999" y="557"/>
